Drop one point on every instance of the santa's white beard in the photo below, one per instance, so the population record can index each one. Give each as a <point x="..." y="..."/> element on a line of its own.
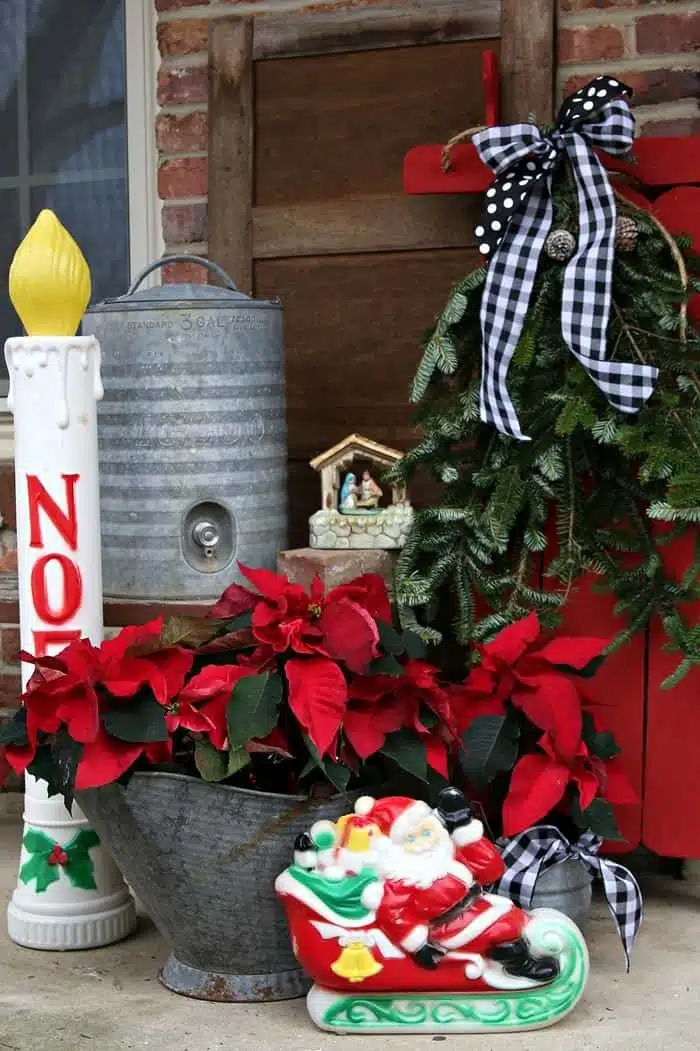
<point x="392" y="862"/>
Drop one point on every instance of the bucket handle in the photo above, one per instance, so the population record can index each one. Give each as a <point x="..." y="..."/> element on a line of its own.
<point x="226" y="281"/>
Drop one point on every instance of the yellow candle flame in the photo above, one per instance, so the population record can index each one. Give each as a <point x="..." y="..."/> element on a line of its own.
<point x="49" y="279"/>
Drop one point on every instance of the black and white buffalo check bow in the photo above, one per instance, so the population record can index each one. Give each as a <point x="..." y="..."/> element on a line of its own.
<point x="531" y="852"/>
<point x="516" y="220"/>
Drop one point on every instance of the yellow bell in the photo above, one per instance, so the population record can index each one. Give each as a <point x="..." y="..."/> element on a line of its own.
<point x="356" y="963"/>
<point x="49" y="279"/>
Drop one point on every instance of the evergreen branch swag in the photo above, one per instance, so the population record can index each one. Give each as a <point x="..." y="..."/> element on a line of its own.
<point x="595" y="490"/>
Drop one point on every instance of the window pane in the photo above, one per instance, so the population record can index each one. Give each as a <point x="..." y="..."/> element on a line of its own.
<point x="9" y="237"/>
<point x="92" y="212"/>
<point x="63" y="134"/>
<point x="75" y="63"/>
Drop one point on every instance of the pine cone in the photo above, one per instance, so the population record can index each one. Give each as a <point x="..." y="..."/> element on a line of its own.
<point x="560" y="245"/>
<point x="626" y="234"/>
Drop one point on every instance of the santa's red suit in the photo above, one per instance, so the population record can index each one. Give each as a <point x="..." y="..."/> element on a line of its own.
<point x="413" y="911"/>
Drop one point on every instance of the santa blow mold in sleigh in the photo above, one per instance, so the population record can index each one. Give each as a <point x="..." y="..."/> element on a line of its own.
<point x="388" y="915"/>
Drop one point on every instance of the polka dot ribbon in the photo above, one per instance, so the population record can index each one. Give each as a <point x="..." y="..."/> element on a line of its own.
<point x="516" y="219"/>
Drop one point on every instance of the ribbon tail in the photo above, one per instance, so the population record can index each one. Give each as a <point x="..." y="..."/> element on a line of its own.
<point x="624" y="899"/>
<point x="587" y="291"/>
<point x="509" y="283"/>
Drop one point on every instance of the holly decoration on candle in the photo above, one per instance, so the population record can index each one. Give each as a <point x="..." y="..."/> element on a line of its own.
<point x="47" y="859"/>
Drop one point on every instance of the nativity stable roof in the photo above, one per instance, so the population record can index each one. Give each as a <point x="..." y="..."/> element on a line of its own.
<point x="355" y="444"/>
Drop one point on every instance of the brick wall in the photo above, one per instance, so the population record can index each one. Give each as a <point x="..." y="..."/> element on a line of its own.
<point x="653" y="45"/>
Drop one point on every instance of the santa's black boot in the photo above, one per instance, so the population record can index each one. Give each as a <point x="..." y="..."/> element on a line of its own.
<point x="519" y="962"/>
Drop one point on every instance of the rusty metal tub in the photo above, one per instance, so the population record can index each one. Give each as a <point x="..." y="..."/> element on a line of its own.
<point x="202" y="858"/>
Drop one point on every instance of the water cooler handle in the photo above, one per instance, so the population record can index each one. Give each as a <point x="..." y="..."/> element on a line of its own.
<point x="223" y="277"/>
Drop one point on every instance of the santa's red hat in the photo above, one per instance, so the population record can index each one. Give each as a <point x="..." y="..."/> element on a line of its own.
<point x="395" y="816"/>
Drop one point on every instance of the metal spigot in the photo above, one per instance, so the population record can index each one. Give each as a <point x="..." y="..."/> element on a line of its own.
<point x="206" y="535"/>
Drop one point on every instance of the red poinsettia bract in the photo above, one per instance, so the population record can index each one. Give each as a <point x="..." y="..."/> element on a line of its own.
<point x="72" y="689"/>
<point x="316" y="632"/>
<point x="533" y="676"/>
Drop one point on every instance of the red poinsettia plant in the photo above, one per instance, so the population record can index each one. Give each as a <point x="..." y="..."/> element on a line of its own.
<point x="276" y="688"/>
<point x="534" y="747"/>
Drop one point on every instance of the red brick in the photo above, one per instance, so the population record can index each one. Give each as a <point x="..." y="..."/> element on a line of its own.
<point x="651" y="86"/>
<point x="590" y="44"/>
<point x="7" y="495"/>
<point x="174" y="273"/>
<point x="183" y="85"/>
<point x="183" y="177"/>
<point x="184" y="223"/>
<point x="668" y="34"/>
<point x="679" y="126"/>
<point x="173" y="5"/>
<point x="587" y="5"/>
<point x="182" y="134"/>
<point x="10" y="689"/>
<point x="183" y="38"/>
<point x="9" y="644"/>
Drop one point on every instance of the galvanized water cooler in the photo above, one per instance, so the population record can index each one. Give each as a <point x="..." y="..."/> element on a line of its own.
<point x="193" y="452"/>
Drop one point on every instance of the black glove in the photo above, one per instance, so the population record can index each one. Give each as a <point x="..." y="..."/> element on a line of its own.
<point x="453" y="809"/>
<point x="428" y="957"/>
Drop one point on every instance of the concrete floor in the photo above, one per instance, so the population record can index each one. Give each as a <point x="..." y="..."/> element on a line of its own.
<point x="110" y="999"/>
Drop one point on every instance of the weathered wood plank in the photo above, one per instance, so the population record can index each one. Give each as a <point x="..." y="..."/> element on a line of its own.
<point x="340" y="125"/>
<point x="366" y="28"/>
<point x="231" y="148"/>
<point x="353" y="331"/>
<point x="363" y="224"/>
<point x="527" y="59"/>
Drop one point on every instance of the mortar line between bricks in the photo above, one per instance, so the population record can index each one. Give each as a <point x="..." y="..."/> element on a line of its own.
<point x="178" y="202"/>
<point x="667" y="110"/>
<point x="642" y="64"/>
<point x="182" y="109"/>
<point x="597" y="16"/>
<point x="180" y="63"/>
<point x="181" y="155"/>
<point x="186" y="248"/>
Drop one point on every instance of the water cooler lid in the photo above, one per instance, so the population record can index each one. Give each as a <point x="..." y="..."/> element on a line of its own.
<point x="182" y="295"/>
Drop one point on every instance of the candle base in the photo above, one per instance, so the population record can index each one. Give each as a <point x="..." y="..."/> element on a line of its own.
<point x="69" y="894"/>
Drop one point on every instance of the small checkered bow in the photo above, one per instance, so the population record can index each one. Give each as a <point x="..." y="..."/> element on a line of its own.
<point x="516" y="220"/>
<point x="531" y="852"/>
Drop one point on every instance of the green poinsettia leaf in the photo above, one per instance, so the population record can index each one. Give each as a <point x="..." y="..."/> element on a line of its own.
<point x="254" y="707"/>
<point x="390" y="639"/>
<point x="43" y="768"/>
<point x="414" y="646"/>
<point x="587" y="672"/>
<point x="599" y="817"/>
<point x="14" y="730"/>
<point x="139" y="720"/>
<point x="66" y="754"/>
<point x="211" y="763"/>
<point x="237" y="759"/>
<point x="490" y="747"/>
<point x="81" y="871"/>
<point x="408" y="751"/>
<point x="37" y="868"/>
<point x="604" y="745"/>
<point x="337" y="773"/>
<point x="386" y="665"/>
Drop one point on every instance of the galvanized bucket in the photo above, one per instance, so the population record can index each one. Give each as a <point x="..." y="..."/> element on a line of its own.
<point x="567" y="887"/>
<point x="192" y="437"/>
<point x="203" y="858"/>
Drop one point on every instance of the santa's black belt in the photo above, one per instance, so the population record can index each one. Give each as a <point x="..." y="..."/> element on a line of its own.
<point x="457" y="910"/>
